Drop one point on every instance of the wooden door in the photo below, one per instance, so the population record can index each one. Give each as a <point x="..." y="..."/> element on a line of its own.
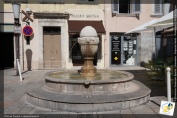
<point x="52" y="50"/>
<point x="55" y="51"/>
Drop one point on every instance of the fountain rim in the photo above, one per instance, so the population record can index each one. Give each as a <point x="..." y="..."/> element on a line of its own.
<point x="129" y="77"/>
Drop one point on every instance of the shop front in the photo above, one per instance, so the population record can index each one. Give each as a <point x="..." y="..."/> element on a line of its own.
<point x="75" y="28"/>
<point x="123" y="51"/>
<point x="54" y="43"/>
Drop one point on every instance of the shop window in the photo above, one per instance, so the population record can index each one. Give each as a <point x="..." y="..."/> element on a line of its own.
<point x="126" y="6"/>
<point x="158" y="7"/>
<point x="76" y="54"/>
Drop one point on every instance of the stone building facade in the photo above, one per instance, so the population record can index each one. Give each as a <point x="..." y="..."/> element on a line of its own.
<point x="56" y="27"/>
<point x="57" y="24"/>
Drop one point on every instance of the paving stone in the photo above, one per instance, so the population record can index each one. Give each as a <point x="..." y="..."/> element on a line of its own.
<point x="34" y="110"/>
<point x="143" y="109"/>
<point x="156" y="110"/>
<point x="26" y="109"/>
<point x="19" y="108"/>
<point x="164" y="116"/>
<point x="15" y="105"/>
<point x="127" y="113"/>
<point x="128" y="116"/>
<point x="100" y="115"/>
<point x="153" y="105"/>
<point x="72" y="115"/>
<point x="146" y="116"/>
<point x="13" y="85"/>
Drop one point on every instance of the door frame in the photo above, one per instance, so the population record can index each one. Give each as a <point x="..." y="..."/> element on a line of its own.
<point x="64" y="38"/>
<point x="122" y="40"/>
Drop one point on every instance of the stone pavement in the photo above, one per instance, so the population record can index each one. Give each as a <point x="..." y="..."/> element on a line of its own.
<point x="15" y="98"/>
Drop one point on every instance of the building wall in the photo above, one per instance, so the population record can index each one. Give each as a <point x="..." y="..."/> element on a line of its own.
<point x="125" y="23"/>
<point x="35" y="49"/>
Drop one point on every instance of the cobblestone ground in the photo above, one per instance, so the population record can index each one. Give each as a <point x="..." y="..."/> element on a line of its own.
<point x="15" y="98"/>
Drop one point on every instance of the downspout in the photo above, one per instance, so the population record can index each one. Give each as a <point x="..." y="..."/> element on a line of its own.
<point x="155" y="43"/>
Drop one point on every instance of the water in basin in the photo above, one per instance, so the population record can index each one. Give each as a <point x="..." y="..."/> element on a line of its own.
<point x="100" y="75"/>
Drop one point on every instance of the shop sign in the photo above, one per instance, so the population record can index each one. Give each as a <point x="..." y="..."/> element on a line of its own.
<point x="84" y="16"/>
<point x="17" y="29"/>
<point x="116" y="50"/>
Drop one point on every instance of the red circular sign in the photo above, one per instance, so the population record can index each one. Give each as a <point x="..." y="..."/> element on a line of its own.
<point x="27" y="31"/>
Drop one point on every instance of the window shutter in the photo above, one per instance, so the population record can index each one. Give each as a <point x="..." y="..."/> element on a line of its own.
<point x="157" y="6"/>
<point x="115" y="6"/>
<point x="137" y="6"/>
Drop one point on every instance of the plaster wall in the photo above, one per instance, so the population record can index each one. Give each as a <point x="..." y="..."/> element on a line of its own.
<point x="35" y="49"/>
<point x="147" y="46"/>
<point x="124" y="23"/>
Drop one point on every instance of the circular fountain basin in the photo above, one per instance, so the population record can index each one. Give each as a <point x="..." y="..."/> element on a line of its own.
<point x="109" y="90"/>
<point x="104" y="81"/>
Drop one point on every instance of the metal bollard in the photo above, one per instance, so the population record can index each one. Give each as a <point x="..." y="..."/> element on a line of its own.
<point x="19" y="70"/>
<point x="168" y="84"/>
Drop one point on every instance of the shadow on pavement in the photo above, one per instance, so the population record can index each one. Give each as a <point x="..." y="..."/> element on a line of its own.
<point x="158" y="88"/>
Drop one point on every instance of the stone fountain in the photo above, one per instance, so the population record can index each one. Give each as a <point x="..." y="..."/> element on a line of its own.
<point x="89" y="45"/>
<point x="89" y="89"/>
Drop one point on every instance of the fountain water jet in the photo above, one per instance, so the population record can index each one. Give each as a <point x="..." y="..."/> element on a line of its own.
<point x="91" y="90"/>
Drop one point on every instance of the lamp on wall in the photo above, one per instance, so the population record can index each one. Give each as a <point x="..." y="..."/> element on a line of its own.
<point x="16" y="12"/>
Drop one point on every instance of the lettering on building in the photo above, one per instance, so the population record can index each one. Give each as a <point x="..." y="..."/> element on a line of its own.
<point x="84" y="16"/>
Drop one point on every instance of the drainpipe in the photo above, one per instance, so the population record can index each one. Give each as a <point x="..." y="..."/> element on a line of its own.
<point x="175" y="52"/>
<point x="155" y="44"/>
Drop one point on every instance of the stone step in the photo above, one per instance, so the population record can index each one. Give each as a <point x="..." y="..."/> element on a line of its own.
<point x="137" y="95"/>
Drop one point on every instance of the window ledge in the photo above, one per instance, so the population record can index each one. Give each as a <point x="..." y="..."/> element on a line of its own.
<point x="125" y="15"/>
<point x="156" y="15"/>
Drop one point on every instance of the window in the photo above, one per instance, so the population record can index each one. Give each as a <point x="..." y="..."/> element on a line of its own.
<point x="158" y="7"/>
<point x="126" y="6"/>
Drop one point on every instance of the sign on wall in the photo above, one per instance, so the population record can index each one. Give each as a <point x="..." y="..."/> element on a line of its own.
<point x="116" y="50"/>
<point x="76" y="14"/>
<point x="17" y="29"/>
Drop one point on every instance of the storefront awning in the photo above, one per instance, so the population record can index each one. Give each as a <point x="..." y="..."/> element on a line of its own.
<point x="141" y="27"/>
<point x="77" y="26"/>
<point x="163" y="22"/>
<point x="157" y="24"/>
